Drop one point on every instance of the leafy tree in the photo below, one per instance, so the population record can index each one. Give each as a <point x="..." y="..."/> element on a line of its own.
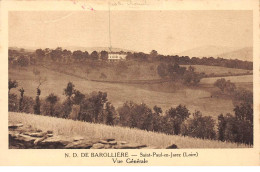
<point x="94" y="55"/>
<point x="153" y="54"/>
<point x="162" y="70"/>
<point x="69" y="90"/>
<point x="40" y="54"/>
<point x="104" y="55"/>
<point x="157" y="110"/>
<point x="177" y="116"/>
<point x="12" y="102"/>
<point x="23" y="61"/>
<point x="37" y="106"/>
<point x="12" y="84"/>
<point x="238" y="128"/>
<point x="199" y="126"/>
<point x="77" y="97"/>
<point x="225" y="86"/>
<point x="21" y="99"/>
<point x="221" y="127"/>
<point x="52" y="99"/>
<point x="110" y="114"/>
<point x="78" y="55"/>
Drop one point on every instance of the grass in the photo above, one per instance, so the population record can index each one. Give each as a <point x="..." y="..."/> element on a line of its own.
<point x="72" y="128"/>
<point x="217" y="70"/>
<point x="198" y="98"/>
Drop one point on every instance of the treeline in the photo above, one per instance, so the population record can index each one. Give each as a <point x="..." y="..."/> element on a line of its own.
<point x="64" y="55"/>
<point x="96" y="108"/>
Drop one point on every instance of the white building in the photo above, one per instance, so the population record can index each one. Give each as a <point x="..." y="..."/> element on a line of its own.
<point x="116" y="57"/>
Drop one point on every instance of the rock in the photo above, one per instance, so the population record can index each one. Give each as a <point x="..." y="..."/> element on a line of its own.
<point x="14" y="126"/>
<point x="103" y="142"/>
<point x="112" y="143"/>
<point x="39" y="140"/>
<point x="42" y="134"/>
<point x="129" y="146"/>
<point x="98" y="146"/>
<point x="54" y="143"/>
<point x="109" y="139"/>
<point x="122" y="142"/>
<point x="49" y="132"/>
<point x="49" y="135"/>
<point x="38" y="130"/>
<point x="83" y="144"/>
<point x="173" y="146"/>
<point x="25" y="138"/>
<point x="78" y="138"/>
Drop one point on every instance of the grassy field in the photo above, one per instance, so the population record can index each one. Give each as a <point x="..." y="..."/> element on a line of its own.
<point x="194" y="98"/>
<point x="72" y="128"/>
<point x="217" y="70"/>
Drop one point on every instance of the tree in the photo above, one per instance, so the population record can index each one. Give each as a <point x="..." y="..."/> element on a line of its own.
<point x="69" y="90"/>
<point x="104" y="55"/>
<point x="162" y="70"/>
<point x="110" y="114"/>
<point x="94" y="55"/>
<point x="52" y="99"/>
<point x="78" y="55"/>
<point x="199" y="126"/>
<point x="153" y="54"/>
<point x="12" y="84"/>
<point x="239" y="127"/>
<point x="177" y="116"/>
<point x="23" y="61"/>
<point x="77" y="97"/>
<point x="37" y="106"/>
<point x="221" y="127"/>
<point x="225" y="86"/>
<point x="21" y="99"/>
<point x="157" y="110"/>
<point x="40" y="54"/>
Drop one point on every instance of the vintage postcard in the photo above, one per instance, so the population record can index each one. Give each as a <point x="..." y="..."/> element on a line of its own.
<point x="129" y="83"/>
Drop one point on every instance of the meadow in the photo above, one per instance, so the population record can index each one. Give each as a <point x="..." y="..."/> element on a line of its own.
<point x="194" y="98"/>
<point x="218" y="70"/>
<point x="68" y="127"/>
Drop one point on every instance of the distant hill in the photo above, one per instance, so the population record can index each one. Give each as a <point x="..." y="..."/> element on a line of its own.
<point x="245" y="53"/>
<point x="98" y="49"/>
<point x="74" y="48"/>
<point x="207" y="51"/>
<point x="241" y="54"/>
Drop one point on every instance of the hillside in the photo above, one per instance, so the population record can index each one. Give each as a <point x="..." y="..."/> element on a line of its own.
<point x="245" y="53"/>
<point x="241" y="54"/>
<point x="70" y="128"/>
<point x="207" y="51"/>
<point x="164" y="95"/>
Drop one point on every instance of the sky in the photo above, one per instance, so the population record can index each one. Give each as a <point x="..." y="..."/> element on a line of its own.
<point x="167" y="32"/>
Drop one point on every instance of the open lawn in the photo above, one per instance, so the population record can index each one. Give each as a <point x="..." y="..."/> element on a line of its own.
<point x="72" y="128"/>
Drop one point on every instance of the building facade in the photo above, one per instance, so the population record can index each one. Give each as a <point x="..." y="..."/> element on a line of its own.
<point x="116" y="57"/>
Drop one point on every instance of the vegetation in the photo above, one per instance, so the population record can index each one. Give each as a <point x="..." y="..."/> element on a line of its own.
<point x="96" y="108"/>
<point x="73" y="128"/>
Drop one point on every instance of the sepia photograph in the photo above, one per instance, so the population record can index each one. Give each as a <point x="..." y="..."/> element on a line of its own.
<point x="137" y="79"/>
